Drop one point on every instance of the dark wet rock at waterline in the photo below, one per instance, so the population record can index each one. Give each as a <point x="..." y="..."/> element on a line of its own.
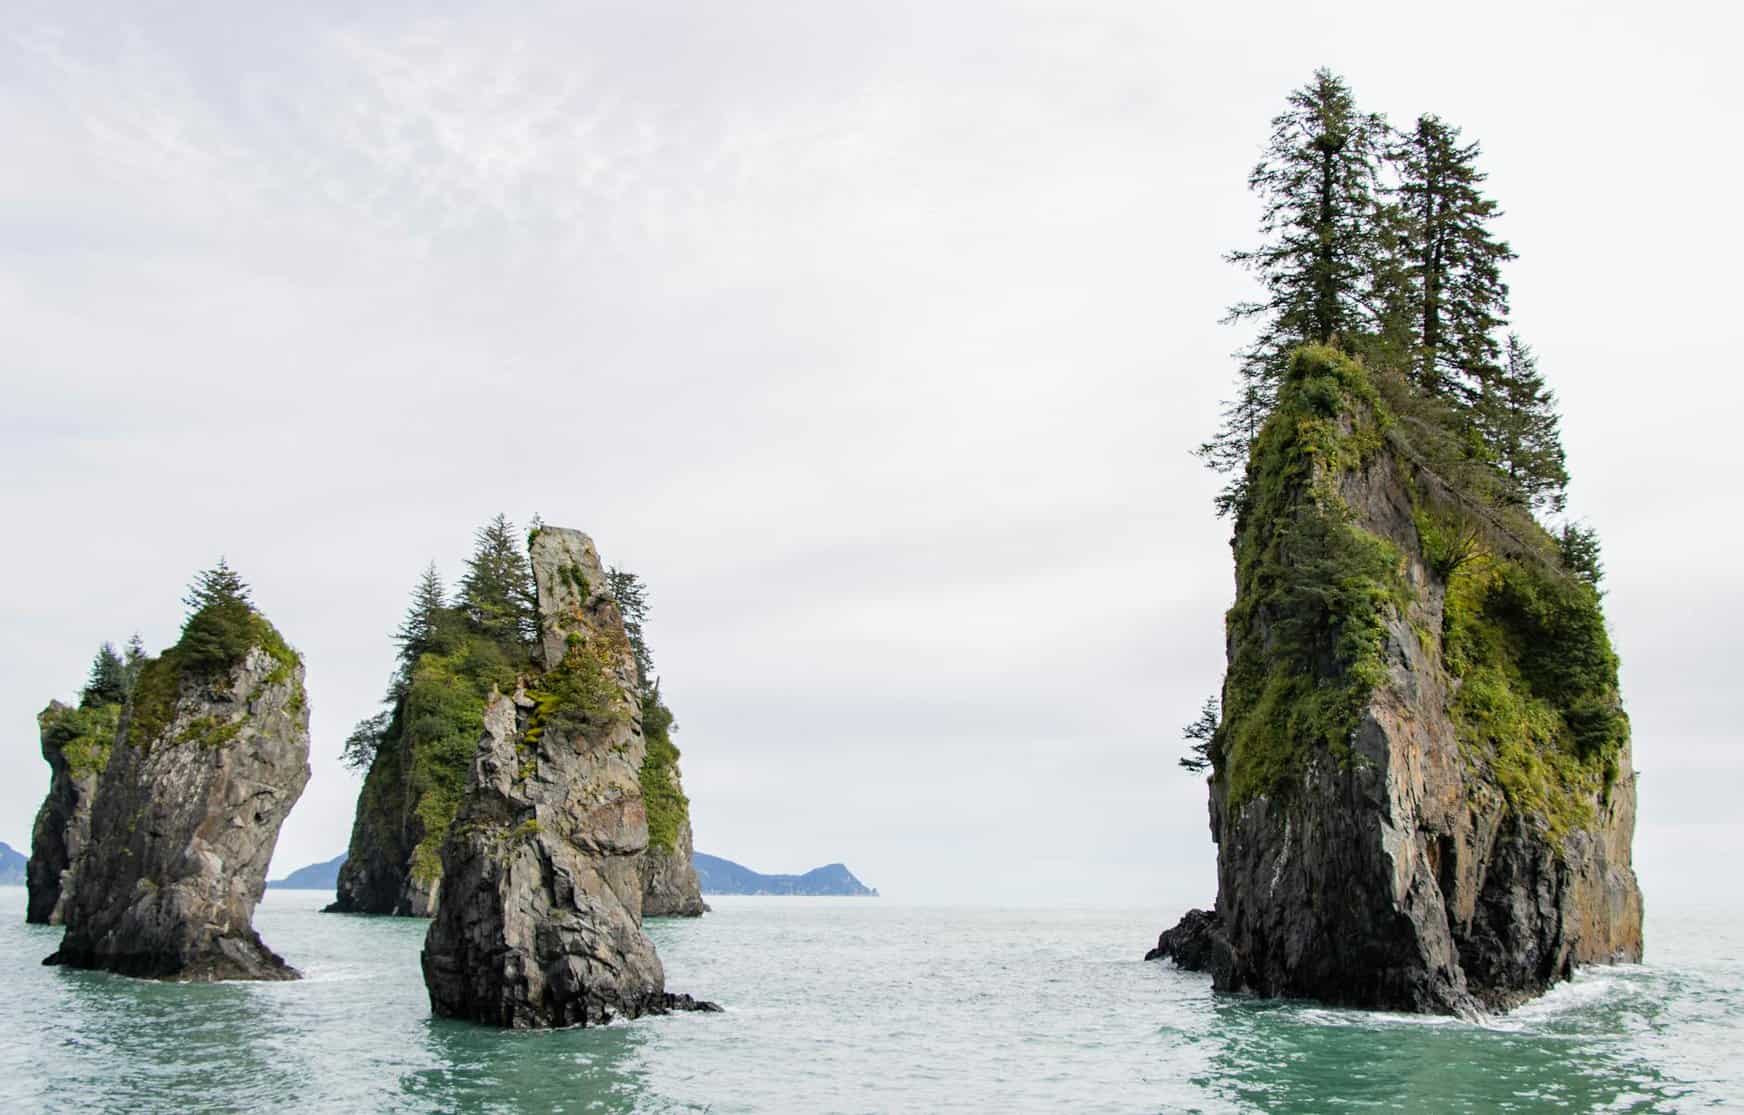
<point x="1195" y="944"/>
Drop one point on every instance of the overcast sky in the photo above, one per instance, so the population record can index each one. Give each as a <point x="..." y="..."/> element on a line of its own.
<point x="875" y="336"/>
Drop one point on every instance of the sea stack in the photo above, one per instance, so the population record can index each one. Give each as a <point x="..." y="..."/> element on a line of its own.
<point x="1421" y="788"/>
<point x="76" y="743"/>
<point x="455" y="652"/>
<point x="212" y="752"/>
<point x="539" y="919"/>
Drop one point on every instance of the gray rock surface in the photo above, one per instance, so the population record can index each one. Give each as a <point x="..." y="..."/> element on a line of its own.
<point x="539" y="922"/>
<point x="75" y="743"/>
<point x="670" y="888"/>
<point x="183" y="825"/>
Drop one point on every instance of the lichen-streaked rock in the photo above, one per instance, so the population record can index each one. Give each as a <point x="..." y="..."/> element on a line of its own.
<point x="539" y="920"/>
<point x="1430" y="806"/>
<point x="76" y="744"/>
<point x="186" y="814"/>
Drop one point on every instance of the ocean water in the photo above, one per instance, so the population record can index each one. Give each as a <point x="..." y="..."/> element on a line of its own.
<point x="860" y="1005"/>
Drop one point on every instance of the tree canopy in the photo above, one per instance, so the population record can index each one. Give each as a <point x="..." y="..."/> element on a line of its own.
<point x="221" y="621"/>
<point x="108" y="682"/>
<point x="496" y="594"/>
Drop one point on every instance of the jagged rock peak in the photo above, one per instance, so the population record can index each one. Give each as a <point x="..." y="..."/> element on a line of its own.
<point x="210" y="757"/>
<point x="539" y="920"/>
<point x="1422" y="794"/>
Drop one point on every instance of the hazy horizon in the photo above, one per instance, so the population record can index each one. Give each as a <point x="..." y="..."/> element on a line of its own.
<point x="874" y="337"/>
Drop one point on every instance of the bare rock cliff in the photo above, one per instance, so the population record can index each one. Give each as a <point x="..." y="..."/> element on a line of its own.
<point x="1422" y="793"/>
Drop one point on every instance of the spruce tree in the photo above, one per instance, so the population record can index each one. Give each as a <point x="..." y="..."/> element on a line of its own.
<point x="632" y="599"/>
<point x="133" y="658"/>
<point x="1319" y="179"/>
<point x="219" y="586"/>
<point x="1516" y="414"/>
<point x="420" y="629"/>
<point x="365" y="740"/>
<point x="1579" y="548"/>
<point x="1199" y="735"/>
<point x="1453" y="276"/>
<point x="497" y="592"/>
<point x="107" y="683"/>
<point x="220" y="625"/>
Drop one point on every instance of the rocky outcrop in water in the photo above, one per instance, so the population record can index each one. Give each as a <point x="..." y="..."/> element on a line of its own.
<point x="669" y="884"/>
<point x="1422" y="793"/>
<point x="539" y="922"/>
<point x="75" y="744"/>
<point x="420" y="749"/>
<point x="213" y="751"/>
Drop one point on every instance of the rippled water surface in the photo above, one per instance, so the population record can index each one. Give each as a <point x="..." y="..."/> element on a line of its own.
<point x="859" y="1005"/>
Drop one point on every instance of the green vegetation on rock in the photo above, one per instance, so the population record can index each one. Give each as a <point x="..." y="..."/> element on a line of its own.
<point x="668" y="808"/>
<point x="1297" y="682"/>
<point x="662" y="793"/>
<point x="84" y="735"/>
<point x="1537" y="700"/>
<point x="221" y="627"/>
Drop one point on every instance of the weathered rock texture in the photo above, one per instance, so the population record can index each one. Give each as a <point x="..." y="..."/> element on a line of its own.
<point x="184" y="820"/>
<point x="76" y="744"/>
<point x="539" y="922"/>
<point x="1422" y="795"/>
<point x="670" y="888"/>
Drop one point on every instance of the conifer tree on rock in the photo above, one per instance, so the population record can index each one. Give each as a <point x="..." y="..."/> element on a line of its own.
<point x="1320" y="183"/>
<point x="497" y="592"/>
<point x="420" y="631"/>
<point x="107" y="684"/>
<point x="1516" y="413"/>
<point x="1458" y="299"/>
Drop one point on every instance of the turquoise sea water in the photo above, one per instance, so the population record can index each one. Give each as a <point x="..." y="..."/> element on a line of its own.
<point x="859" y="1005"/>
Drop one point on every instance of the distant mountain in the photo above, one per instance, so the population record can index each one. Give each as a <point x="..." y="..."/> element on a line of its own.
<point x="316" y="876"/>
<point x="723" y="876"/>
<point x="11" y="866"/>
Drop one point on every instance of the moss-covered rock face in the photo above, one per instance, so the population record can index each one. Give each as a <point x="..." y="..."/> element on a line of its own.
<point x="670" y="887"/>
<point x="1421" y="787"/>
